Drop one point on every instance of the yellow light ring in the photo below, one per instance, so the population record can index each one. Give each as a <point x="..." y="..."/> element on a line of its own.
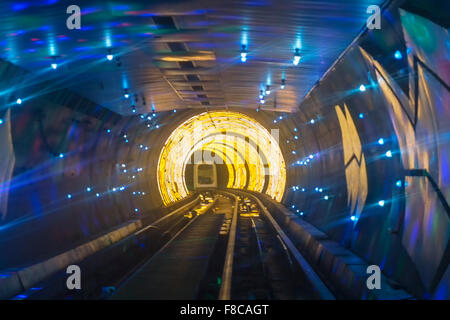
<point x="173" y="156"/>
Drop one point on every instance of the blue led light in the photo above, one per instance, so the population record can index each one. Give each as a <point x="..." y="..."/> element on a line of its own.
<point x="398" y="183"/>
<point x="296" y="137"/>
<point x="362" y="88"/>
<point x="381" y="203"/>
<point x="398" y="55"/>
<point x="175" y="110"/>
<point x="301" y="213"/>
<point x="295" y="129"/>
<point x="325" y="197"/>
<point x="136" y="210"/>
<point x="389" y="154"/>
<point x="108" y="130"/>
<point x="69" y="196"/>
<point x="293" y="152"/>
<point x="88" y="189"/>
<point x="381" y="141"/>
<point x="293" y="206"/>
<point x="361" y="115"/>
<point x="19" y="101"/>
<point x="61" y="155"/>
<point x="97" y="195"/>
<point x="54" y="66"/>
<point x="1" y="121"/>
<point x="353" y="218"/>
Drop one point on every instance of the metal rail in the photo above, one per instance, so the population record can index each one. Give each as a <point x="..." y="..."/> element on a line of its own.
<point x="227" y="274"/>
<point x="157" y="253"/>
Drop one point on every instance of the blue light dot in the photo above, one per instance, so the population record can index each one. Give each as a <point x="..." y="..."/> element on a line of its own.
<point x="381" y="203"/>
<point x="19" y="101"/>
<point x="88" y="189"/>
<point x="362" y="88"/>
<point x="1" y="121"/>
<point x="174" y="110"/>
<point x="312" y="121"/>
<point x="398" y="183"/>
<point x="361" y="115"/>
<point x="69" y="196"/>
<point x="296" y="137"/>
<point x="109" y="130"/>
<point x="381" y="141"/>
<point x="325" y="197"/>
<point x="97" y="195"/>
<point x="398" y="55"/>
<point x="294" y="152"/>
<point x="353" y="218"/>
<point x="61" y="155"/>
<point x="136" y="209"/>
<point x="389" y="153"/>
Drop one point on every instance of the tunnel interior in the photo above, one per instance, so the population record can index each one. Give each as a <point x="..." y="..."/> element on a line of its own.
<point x="353" y="140"/>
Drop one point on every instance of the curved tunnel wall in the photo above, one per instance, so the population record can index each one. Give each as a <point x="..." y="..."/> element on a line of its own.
<point x="395" y="212"/>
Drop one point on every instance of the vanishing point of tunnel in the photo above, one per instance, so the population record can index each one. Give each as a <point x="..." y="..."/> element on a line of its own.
<point x="224" y="150"/>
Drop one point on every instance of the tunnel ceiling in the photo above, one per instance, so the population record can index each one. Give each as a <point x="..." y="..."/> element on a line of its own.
<point x="181" y="54"/>
<point x="251" y="153"/>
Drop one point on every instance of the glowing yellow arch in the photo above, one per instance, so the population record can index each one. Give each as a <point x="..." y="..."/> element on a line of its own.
<point x="232" y="136"/>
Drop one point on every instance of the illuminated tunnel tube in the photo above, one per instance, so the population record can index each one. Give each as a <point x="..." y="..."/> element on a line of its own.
<point x="230" y="135"/>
